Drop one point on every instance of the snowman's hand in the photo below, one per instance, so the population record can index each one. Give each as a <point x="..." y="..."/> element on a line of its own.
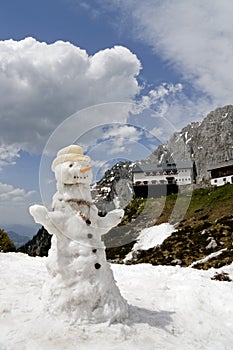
<point x="47" y="219"/>
<point x="112" y="219"/>
<point x="39" y="213"/>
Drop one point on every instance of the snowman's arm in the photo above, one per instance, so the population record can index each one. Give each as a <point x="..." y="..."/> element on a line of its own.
<point x="42" y="216"/>
<point x="112" y="219"/>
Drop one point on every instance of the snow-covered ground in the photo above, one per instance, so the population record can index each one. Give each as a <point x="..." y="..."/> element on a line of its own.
<point x="171" y="308"/>
<point x="151" y="237"/>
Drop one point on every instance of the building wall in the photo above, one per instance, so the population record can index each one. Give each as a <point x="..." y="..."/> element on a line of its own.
<point x="154" y="191"/>
<point x="182" y="177"/>
<point x="220" y="181"/>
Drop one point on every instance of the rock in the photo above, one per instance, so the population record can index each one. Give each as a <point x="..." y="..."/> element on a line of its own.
<point x="208" y="142"/>
<point x="176" y="262"/>
<point x="212" y="244"/>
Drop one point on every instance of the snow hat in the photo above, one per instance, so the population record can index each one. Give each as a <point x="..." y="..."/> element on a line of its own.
<point x="73" y="153"/>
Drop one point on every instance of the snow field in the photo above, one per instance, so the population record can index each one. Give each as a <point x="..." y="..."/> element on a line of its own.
<point x="170" y="308"/>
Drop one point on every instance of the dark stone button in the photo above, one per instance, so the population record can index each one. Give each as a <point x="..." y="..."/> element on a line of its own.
<point x="94" y="250"/>
<point x="97" y="266"/>
<point x="90" y="235"/>
<point x="88" y="222"/>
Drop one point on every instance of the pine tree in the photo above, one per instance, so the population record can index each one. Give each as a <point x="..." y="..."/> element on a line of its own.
<point x="6" y="245"/>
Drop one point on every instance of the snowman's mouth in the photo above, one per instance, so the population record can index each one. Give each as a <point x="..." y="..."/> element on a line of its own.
<point x="75" y="183"/>
<point x="69" y="185"/>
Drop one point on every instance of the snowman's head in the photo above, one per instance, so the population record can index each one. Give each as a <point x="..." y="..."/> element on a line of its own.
<point x="71" y="167"/>
<point x="72" y="173"/>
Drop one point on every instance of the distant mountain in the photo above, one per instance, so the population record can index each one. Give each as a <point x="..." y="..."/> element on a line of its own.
<point x="18" y="240"/>
<point x="22" y="230"/>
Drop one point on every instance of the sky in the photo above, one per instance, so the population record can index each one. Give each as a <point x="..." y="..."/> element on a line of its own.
<point x="118" y="77"/>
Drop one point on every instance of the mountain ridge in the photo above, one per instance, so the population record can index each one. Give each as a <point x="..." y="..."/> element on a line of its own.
<point x="17" y="239"/>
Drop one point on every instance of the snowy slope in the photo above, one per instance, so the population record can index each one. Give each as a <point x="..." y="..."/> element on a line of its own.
<point x="151" y="237"/>
<point x="171" y="308"/>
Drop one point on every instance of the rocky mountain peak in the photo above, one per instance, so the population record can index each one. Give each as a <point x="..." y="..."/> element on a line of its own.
<point x="114" y="189"/>
<point x="209" y="142"/>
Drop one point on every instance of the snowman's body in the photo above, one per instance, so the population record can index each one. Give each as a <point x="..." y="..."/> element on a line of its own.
<point x="81" y="281"/>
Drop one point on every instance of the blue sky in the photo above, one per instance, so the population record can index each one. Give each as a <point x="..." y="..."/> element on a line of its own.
<point x="68" y="68"/>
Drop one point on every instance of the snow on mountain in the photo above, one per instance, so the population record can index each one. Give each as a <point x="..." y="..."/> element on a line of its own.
<point x="170" y="308"/>
<point x="151" y="237"/>
<point x="115" y="188"/>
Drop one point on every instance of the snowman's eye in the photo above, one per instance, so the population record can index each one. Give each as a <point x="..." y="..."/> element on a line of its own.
<point x="70" y="165"/>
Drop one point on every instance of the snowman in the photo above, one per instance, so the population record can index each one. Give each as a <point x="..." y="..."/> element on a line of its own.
<point x="81" y="283"/>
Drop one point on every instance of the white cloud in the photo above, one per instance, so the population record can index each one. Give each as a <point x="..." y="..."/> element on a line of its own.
<point x="158" y="98"/>
<point x="166" y="108"/>
<point x="195" y="36"/>
<point x="8" y="154"/>
<point x="9" y="193"/>
<point x="120" y="137"/>
<point x="42" y="84"/>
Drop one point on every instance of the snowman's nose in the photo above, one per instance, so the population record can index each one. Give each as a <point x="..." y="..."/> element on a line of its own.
<point x="83" y="170"/>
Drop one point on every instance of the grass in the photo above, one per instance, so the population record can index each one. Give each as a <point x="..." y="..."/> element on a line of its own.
<point x="201" y="215"/>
